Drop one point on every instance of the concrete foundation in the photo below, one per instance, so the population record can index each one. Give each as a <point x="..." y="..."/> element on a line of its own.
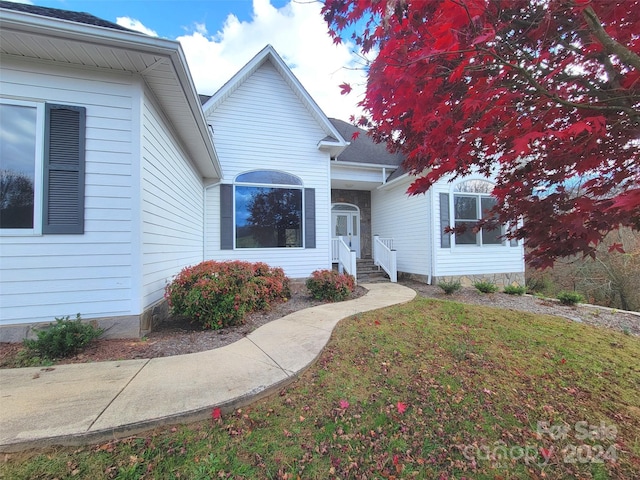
<point x="126" y="326"/>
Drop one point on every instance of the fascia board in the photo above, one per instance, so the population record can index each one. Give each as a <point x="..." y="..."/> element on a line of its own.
<point x="363" y="165"/>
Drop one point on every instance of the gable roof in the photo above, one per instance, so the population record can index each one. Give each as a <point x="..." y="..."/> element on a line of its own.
<point x="332" y="142"/>
<point x="83" y="40"/>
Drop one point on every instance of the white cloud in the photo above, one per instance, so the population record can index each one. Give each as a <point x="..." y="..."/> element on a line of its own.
<point x="298" y="33"/>
<point x="133" y="24"/>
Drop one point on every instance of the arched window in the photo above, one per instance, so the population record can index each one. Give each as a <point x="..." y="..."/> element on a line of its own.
<point x="268" y="210"/>
<point x="472" y="202"/>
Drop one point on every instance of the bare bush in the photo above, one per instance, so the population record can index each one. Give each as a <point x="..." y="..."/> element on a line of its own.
<point x="612" y="279"/>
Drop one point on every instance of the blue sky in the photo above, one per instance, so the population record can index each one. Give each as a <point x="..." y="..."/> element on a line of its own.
<point x="220" y="36"/>
<point x="169" y="18"/>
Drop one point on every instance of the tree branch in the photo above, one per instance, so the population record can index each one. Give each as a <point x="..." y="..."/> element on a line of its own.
<point x="554" y="96"/>
<point x="612" y="46"/>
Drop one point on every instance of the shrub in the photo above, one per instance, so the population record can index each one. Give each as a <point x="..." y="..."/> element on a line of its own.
<point x="539" y="283"/>
<point x="450" y="287"/>
<point x="218" y="294"/>
<point x="515" y="290"/>
<point x="329" y="285"/>
<point x="63" y="338"/>
<point x="570" y="298"/>
<point x="486" y="287"/>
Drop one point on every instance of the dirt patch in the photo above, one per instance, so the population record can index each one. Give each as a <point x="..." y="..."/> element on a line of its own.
<point x="180" y="336"/>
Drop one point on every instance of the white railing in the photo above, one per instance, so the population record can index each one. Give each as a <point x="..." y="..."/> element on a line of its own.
<point x="335" y="243"/>
<point x="384" y="256"/>
<point x="342" y="254"/>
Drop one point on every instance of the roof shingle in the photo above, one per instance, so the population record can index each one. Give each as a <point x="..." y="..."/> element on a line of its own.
<point x="78" y="17"/>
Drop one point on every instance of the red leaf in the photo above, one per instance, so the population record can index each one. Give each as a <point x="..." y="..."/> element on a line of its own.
<point x="563" y="361"/>
<point x="216" y="414"/>
<point x="402" y="407"/>
<point x="355" y="135"/>
<point x="345" y="88"/>
<point x="377" y="322"/>
<point x="344" y="404"/>
<point x="616" y="247"/>
<point x="546" y="453"/>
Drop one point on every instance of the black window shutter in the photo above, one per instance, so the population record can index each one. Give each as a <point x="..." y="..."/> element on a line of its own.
<point x="226" y="217"/>
<point x="445" y="238"/>
<point x="310" y="218"/>
<point x="64" y="167"/>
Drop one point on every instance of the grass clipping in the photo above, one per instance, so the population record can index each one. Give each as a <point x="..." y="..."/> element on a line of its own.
<point x="429" y="389"/>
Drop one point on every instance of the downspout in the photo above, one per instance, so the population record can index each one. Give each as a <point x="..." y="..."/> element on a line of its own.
<point x="206" y="188"/>
<point x="432" y="254"/>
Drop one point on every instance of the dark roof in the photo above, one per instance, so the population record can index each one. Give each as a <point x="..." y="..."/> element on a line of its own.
<point x="363" y="149"/>
<point x="78" y="17"/>
<point x="203" y="98"/>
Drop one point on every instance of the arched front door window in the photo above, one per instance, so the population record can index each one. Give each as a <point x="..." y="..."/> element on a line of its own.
<point x="345" y="222"/>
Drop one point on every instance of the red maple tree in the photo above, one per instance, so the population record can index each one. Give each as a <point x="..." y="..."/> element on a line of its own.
<point x="542" y="94"/>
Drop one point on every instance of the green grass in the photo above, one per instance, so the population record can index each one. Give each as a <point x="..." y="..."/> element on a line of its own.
<point x="431" y="386"/>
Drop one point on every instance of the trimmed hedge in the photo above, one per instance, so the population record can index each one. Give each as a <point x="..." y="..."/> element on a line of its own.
<point x="218" y="294"/>
<point x="329" y="285"/>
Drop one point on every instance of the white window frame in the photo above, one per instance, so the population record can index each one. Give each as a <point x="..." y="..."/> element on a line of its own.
<point x="478" y="196"/>
<point x="38" y="186"/>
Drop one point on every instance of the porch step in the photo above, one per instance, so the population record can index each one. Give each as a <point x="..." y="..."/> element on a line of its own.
<point x="370" y="273"/>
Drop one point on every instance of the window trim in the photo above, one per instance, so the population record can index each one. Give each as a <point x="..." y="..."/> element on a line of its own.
<point x="453" y="219"/>
<point x="38" y="186"/>
<point x="303" y="210"/>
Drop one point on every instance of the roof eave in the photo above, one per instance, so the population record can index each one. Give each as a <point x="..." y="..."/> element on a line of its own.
<point x="334" y="148"/>
<point x="204" y="155"/>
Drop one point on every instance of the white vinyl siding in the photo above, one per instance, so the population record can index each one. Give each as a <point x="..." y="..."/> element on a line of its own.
<point x="89" y="273"/>
<point x="404" y="218"/>
<point x="172" y="206"/>
<point x="264" y="126"/>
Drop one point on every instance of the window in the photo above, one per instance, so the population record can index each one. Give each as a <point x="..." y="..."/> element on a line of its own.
<point x="271" y="210"/>
<point x="41" y="175"/>
<point x="20" y="160"/>
<point x="472" y="202"/>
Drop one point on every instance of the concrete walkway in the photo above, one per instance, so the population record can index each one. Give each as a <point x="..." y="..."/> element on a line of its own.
<point x="85" y="403"/>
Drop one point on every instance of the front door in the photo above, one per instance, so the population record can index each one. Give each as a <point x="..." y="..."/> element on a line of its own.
<point x="345" y="222"/>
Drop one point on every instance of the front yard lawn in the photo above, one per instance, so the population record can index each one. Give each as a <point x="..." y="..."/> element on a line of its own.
<point x="430" y="389"/>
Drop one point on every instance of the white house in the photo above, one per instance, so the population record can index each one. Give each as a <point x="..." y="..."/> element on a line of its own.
<point x="115" y="177"/>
